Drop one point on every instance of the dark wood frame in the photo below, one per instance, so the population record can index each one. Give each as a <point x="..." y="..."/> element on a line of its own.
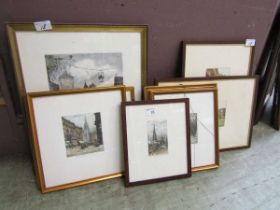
<point x="197" y="79"/>
<point x="38" y="165"/>
<point x="12" y="28"/>
<point x="195" y="89"/>
<point x="213" y="43"/>
<point x="125" y="140"/>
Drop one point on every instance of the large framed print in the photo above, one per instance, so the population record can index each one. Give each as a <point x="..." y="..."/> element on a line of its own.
<point x="157" y="144"/>
<point x="76" y="136"/>
<point x="78" y="56"/>
<point x="236" y="105"/>
<point x="210" y="59"/>
<point x="203" y="121"/>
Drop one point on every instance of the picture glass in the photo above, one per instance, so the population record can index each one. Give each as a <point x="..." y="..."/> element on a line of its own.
<point x="79" y="139"/>
<point x="202" y="125"/>
<point x="67" y="60"/>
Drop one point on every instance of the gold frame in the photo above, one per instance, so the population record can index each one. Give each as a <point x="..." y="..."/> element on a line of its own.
<point x="156" y="90"/>
<point x="12" y="28"/>
<point x="205" y="81"/>
<point x="207" y="43"/>
<point x="130" y="90"/>
<point x="35" y="142"/>
<point x="180" y="86"/>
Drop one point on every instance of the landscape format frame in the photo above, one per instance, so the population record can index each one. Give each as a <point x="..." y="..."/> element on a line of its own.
<point x="84" y="139"/>
<point x="217" y="58"/>
<point x="78" y="56"/>
<point x="203" y="101"/>
<point x="237" y="101"/>
<point x="156" y="148"/>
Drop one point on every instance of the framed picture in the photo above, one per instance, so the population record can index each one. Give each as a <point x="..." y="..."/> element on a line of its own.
<point x="236" y="107"/>
<point x="76" y="136"/>
<point x="203" y="121"/>
<point x="211" y="59"/>
<point x="78" y="56"/>
<point x="157" y="144"/>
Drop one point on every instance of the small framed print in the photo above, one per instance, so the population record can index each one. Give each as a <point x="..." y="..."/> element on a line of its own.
<point x="76" y="136"/>
<point x="78" y="56"/>
<point x="157" y="144"/>
<point x="203" y="121"/>
<point x="212" y="59"/>
<point x="236" y="105"/>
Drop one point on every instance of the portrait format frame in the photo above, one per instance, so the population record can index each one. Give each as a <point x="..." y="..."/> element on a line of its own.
<point x="74" y="56"/>
<point x="153" y="151"/>
<point x="78" y="136"/>
<point x="203" y="101"/>
<point x="217" y="58"/>
<point x="235" y="117"/>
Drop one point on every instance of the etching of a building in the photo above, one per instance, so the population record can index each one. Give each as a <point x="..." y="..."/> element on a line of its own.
<point x="86" y="133"/>
<point x="72" y="133"/>
<point x="98" y="125"/>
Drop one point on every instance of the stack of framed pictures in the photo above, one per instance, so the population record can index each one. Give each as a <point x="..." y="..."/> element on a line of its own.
<point x="80" y="82"/>
<point x="73" y="77"/>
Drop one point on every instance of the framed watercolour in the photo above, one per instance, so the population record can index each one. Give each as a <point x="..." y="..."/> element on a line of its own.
<point x="76" y="136"/>
<point x="78" y="56"/>
<point x="203" y="121"/>
<point x="236" y="107"/>
<point x="210" y="59"/>
<point x="157" y="144"/>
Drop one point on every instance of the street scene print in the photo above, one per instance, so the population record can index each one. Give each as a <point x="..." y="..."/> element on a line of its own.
<point x="216" y="72"/>
<point x="69" y="71"/>
<point x="193" y="125"/>
<point x="82" y="134"/>
<point x="221" y="117"/>
<point x="157" y="137"/>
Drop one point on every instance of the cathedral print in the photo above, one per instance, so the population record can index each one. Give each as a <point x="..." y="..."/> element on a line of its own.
<point x="82" y="134"/>
<point x="157" y="137"/>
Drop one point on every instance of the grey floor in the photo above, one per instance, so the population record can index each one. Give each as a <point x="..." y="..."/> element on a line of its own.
<point x="246" y="179"/>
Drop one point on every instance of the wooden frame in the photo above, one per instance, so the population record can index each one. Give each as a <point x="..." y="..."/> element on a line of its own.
<point x="23" y="68"/>
<point x="39" y="140"/>
<point x="165" y="92"/>
<point x="150" y="113"/>
<point x="228" y="95"/>
<point x="225" y="71"/>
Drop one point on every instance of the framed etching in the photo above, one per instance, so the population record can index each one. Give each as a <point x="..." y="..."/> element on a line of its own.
<point x="203" y="121"/>
<point x="78" y="56"/>
<point x="157" y="144"/>
<point x="211" y="59"/>
<point x="236" y="107"/>
<point x="78" y="144"/>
